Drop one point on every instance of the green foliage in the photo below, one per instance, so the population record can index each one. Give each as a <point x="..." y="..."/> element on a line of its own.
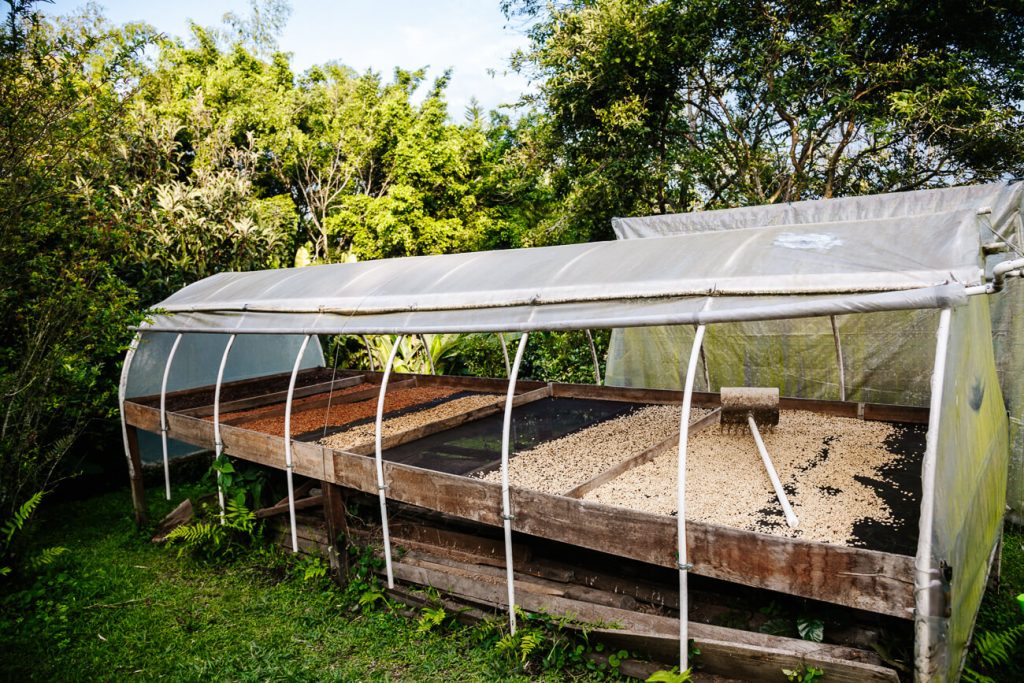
<point x="671" y="676"/>
<point x="990" y="651"/>
<point x="430" y="618"/>
<point x="804" y="674"/>
<point x="810" y="629"/>
<point x="213" y="536"/>
<point x="661" y="107"/>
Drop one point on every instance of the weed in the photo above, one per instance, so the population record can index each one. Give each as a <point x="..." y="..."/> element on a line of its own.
<point x="673" y="675"/>
<point x="804" y="674"/>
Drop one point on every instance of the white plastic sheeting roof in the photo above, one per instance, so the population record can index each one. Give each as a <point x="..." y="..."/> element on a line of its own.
<point x="898" y="261"/>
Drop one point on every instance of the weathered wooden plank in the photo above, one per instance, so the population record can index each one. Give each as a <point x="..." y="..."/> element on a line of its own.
<point x="641" y="458"/>
<point x="484" y="384"/>
<point x="300" y="504"/>
<point x="279" y="410"/>
<point x="336" y="516"/>
<point x="154" y="399"/>
<point x="395" y="440"/>
<point x="855" y="577"/>
<point x="274" y="397"/>
<point x="725" y="651"/>
<point x="135" y="478"/>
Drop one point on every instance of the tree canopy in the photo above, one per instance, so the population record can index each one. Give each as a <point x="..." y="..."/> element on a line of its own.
<point x="676" y="105"/>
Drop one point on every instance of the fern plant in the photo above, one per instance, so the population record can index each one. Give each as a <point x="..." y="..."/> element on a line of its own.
<point x="217" y="536"/>
<point x="13" y="526"/>
<point x="991" y="650"/>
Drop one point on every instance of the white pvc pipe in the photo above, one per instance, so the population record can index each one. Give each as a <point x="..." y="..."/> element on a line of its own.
<point x="506" y="502"/>
<point x="218" y="444"/>
<point x="683" y="564"/>
<point x="163" y="414"/>
<point x="791" y="519"/>
<point x="925" y="578"/>
<point x="593" y="356"/>
<point x="379" y="458"/>
<point x="504" y="353"/>
<point x="288" y="441"/>
<point x="839" y="358"/>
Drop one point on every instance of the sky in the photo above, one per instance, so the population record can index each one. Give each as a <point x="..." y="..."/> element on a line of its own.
<point x="468" y="36"/>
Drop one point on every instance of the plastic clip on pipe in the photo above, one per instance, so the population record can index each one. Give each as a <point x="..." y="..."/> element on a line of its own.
<point x="684" y="435"/>
<point x="288" y="442"/>
<point x="163" y="414"/>
<point x="506" y="502"/>
<point x="218" y="444"/>
<point x="379" y="458"/>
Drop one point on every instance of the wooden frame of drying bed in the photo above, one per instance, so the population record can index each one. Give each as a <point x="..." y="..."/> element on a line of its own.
<point x="864" y="579"/>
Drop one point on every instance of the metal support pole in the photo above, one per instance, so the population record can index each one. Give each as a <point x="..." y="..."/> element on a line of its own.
<point x="379" y="458"/>
<point x="163" y="414"/>
<point x="839" y="358"/>
<point x="218" y="444"/>
<point x="926" y="581"/>
<point x="288" y="441"/>
<point x="506" y="503"/>
<point x="684" y="434"/>
<point x="430" y="357"/>
<point x="134" y="474"/>
<point x="504" y="353"/>
<point x="369" y="352"/>
<point x="593" y="356"/>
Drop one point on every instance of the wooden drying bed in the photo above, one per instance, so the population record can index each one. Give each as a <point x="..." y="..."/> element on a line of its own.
<point x="858" y="578"/>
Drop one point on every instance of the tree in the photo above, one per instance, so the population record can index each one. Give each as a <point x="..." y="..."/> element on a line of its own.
<point x="63" y="89"/>
<point x="674" y="105"/>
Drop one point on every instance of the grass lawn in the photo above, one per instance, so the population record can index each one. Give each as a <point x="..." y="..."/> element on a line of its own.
<point x="119" y="607"/>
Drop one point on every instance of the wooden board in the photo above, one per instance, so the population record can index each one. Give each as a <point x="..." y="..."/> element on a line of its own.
<point x="275" y="397"/>
<point x="645" y="457"/>
<point x="864" y="579"/>
<point x="279" y="411"/>
<point x="859" y="578"/>
<point x="753" y="656"/>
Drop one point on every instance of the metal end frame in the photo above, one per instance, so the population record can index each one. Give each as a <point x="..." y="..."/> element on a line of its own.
<point x="593" y="356"/>
<point x="504" y="353"/>
<point x="379" y="460"/>
<point x="288" y="441"/>
<point x="218" y="443"/>
<point x="369" y="352"/>
<point x="430" y="357"/>
<point x="163" y="415"/>
<point x="122" y="390"/>
<point x="925" y="579"/>
<point x="839" y="358"/>
<point x="506" y="503"/>
<point x="684" y="434"/>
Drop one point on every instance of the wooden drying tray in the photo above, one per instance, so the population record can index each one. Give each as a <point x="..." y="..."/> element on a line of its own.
<point x="854" y="577"/>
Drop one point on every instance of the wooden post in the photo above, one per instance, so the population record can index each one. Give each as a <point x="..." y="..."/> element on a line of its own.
<point x="135" y="476"/>
<point x="337" y="530"/>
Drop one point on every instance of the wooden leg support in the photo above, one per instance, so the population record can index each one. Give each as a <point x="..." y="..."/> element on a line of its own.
<point x="135" y="476"/>
<point x="337" y="530"/>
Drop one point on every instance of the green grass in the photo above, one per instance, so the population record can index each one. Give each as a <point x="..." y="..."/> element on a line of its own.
<point x="120" y="607"/>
